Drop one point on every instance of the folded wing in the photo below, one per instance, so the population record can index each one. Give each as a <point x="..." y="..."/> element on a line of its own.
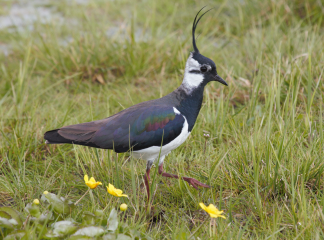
<point x="137" y="127"/>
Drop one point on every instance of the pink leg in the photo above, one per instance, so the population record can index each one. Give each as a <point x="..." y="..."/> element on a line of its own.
<point x="193" y="182"/>
<point x="147" y="185"/>
<point x="147" y="178"/>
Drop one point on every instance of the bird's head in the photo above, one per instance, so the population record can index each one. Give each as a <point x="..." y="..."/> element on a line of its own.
<point x="199" y="69"/>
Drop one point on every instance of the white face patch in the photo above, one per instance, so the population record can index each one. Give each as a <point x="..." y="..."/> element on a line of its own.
<point x="192" y="80"/>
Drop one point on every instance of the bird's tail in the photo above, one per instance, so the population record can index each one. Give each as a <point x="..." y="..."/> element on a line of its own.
<point x="53" y="137"/>
<point x="80" y="134"/>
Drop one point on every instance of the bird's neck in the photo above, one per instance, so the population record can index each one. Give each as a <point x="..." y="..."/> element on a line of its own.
<point x="189" y="102"/>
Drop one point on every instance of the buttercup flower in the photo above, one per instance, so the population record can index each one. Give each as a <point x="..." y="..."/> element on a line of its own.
<point x="115" y="192"/>
<point x="123" y="207"/>
<point x="91" y="183"/>
<point x="212" y="211"/>
<point x="36" y="201"/>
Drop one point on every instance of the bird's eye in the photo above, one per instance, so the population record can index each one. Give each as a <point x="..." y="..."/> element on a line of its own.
<point x="203" y="69"/>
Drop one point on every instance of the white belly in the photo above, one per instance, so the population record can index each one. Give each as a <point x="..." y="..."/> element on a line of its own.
<point x="152" y="153"/>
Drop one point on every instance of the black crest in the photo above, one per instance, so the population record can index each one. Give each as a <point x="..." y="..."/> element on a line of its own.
<point x="194" y="25"/>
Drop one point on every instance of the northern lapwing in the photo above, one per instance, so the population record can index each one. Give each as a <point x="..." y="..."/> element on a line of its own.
<point x="152" y="129"/>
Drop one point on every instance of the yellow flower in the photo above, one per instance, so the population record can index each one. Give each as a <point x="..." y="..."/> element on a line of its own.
<point x="36" y="201"/>
<point x="115" y="192"/>
<point x="212" y="211"/>
<point x="123" y="207"/>
<point x="91" y="183"/>
<point x="45" y="192"/>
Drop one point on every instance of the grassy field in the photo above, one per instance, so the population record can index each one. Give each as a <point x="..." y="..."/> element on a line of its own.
<point x="263" y="159"/>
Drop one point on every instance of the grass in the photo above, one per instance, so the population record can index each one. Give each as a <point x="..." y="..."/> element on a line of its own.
<point x="264" y="157"/>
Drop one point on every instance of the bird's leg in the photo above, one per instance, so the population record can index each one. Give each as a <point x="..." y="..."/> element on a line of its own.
<point x="147" y="178"/>
<point x="193" y="182"/>
<point x="147" y="185"/>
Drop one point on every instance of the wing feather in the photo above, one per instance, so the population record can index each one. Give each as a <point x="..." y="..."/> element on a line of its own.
<point x="137" y="127"/>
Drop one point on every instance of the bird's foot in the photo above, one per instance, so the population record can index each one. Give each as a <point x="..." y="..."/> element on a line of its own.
<point x="195" y="183"/>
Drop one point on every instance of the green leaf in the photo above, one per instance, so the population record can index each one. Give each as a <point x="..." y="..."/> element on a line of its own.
<point x="13" y="214"/>
<point x="79" y="237"/>
<point x="99" y="213"/>
<point x="109" y="236"/>
<point x="8" y="223"/>
<point x="46" y="217"/>
<point x="33" y="210"/>
<point x="112" y="220"/>
<point x="123" y="237"/>
<point x="43" y="218"/>
<point x="89" y="218"/>
<point x="5" y="215"/>
<point x="15" y="235"/>
<point x="60" y="205"/>
<point x="64" y="227"/>
<point x="89" y="231"/>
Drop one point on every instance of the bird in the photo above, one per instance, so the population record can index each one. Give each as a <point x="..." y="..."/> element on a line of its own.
<point x="150" y="130"/>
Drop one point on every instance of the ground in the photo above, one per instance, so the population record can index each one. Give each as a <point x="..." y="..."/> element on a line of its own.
<point x="67" y="62"/>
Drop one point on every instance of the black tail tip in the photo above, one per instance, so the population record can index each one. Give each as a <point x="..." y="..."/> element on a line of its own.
<point x="53" y="137"/>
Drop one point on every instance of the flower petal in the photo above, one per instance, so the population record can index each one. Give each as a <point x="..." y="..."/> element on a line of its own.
<point x="92" y="179"/>
<point x="212" y="211"/>
<point x="203" y="206"/>
<point x="216" y="216"/>
<point x="212" y="208"/>
<point x="118" y="191"/>
<point x="86" y="178"/>
<point x="91" y="185"/>
<point x="110" y="189"/>
<point x="213" y="215"/>
<point x="115" y="192"/>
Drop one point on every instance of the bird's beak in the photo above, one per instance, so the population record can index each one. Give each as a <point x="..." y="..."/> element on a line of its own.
<point x="221" y="80"/>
